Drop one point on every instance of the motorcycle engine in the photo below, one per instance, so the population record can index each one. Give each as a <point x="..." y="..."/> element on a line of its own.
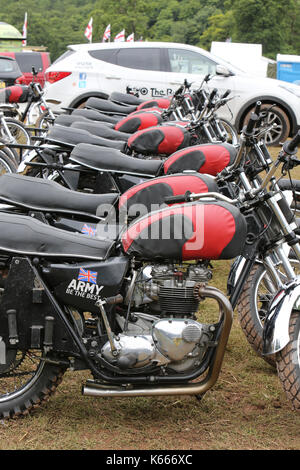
<point x="169" y="336"/>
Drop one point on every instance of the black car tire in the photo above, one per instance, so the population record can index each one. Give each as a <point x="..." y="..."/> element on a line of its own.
<point x="275" y="115"/>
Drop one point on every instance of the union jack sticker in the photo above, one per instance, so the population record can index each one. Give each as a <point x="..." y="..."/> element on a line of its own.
<point x="87" y="276"/>
<point x="87" y="230"/>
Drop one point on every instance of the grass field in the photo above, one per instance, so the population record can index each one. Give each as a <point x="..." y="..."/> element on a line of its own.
<point x="246" y="409"/>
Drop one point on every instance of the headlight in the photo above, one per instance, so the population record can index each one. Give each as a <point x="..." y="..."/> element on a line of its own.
<point x="295" y="89"/>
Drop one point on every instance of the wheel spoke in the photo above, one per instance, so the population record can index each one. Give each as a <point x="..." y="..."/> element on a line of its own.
<point x="19" y="374"/>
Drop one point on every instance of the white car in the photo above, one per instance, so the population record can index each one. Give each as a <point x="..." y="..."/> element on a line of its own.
<point x="157" y="69"/>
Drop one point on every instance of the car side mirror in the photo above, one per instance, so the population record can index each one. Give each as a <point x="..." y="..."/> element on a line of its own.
<point x="222" y="70"/>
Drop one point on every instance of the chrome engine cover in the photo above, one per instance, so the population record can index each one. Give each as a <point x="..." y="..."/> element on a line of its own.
<point x="134" y="351"/>
<point x="176" y="338"/>
<point x="176" y="343"/>
<point x="167" y="335"/>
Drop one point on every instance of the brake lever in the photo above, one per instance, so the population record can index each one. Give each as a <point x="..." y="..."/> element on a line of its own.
<point x="290" y="163"/>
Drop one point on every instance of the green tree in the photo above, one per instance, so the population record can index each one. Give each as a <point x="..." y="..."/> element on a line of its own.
<point x="220" y="29"/>
<point x="131" y="15"/>
<point x="55" y="23"/>
<point x="266" y="22"/>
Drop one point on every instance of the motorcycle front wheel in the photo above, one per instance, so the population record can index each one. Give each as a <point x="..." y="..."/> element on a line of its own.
<point x="19" y="134"/>
<point x="288" y="362"/>
<point x="7" y="164"/>
<point x="229" y="130"/>
<point x="44" y="122"/>
<point x="253" y="306"/>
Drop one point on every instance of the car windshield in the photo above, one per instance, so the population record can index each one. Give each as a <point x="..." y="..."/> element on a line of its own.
<point x="27" y="60"/>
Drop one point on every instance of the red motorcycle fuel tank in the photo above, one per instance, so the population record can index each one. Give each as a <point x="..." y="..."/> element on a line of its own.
<point x="150" y="194"/>
<point x="137" y="121"/>
<point x="204" y="158"/>
<point x="163" y="103"/>
<point x="198" y="230"/>
<point x="14" y="94"/>
<point x="159" y="140"/>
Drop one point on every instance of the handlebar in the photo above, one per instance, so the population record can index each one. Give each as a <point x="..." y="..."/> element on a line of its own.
<point x="212" y="95"/>
<point x="227" y="92"/>
<point x="248" y="130"/>
<point x="187" y="84"/>
<point x="257" y="107"/>
<point x="190" y="197"/>
<point x="180" y="198"/>
<point x="291" y="147"/>
<point x="179" y="90"/>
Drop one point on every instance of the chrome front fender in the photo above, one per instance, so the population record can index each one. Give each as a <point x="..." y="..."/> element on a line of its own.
<point x="28" y="158"/>
<point x="276" y="325"/>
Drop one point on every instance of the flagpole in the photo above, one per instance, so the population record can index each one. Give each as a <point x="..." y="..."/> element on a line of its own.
<point x="24" y="32"/>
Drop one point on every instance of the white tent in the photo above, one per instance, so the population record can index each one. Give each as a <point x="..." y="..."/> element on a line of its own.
<point x="248" y="57"/>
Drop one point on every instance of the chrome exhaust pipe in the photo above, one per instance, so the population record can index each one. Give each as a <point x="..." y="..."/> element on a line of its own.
<point x="95" y="389"/>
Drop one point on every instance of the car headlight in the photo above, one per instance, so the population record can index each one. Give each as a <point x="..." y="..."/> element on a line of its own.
<point x="295" y="89"/>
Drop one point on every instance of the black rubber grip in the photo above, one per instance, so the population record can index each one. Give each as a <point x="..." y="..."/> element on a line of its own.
<point x="227" y="92"/>
<point x="179" y="91"/>
<point x="179" y="198"/>
<point x="251" y="123"/>
<point x="257" y="107"/>
<point x="186" y="83"/>
<point x="291" y="146"/>
<point x="213" y="94"/>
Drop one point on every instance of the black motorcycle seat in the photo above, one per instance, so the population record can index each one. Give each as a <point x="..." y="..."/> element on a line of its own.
<point x="68" y="136"/>
<point x="99" y="158"/>
<point x="125" y="98"/>
<point x="101" y="130"/>
<point x="108" y="106"/>
<point x="27" y="236"/>
<point x="95" y="115"/>
<point x="45" y="195"/>
<point x="68" y="119"/>
<point x="289" y="185"/>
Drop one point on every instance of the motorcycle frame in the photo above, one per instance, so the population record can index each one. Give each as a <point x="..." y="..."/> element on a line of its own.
<point x="81" y="359"/>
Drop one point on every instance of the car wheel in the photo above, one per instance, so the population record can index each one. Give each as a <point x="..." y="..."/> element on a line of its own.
<point x="277" y="116"/>
<point x="103" y="96"/>
<point x="81" y="106"/>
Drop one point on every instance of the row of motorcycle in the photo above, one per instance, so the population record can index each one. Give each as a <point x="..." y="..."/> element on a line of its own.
<point x="111" y="216"/>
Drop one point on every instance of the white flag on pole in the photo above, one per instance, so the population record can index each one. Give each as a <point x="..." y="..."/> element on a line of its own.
<point x="106" y="35"/>
<point x="130" y="38"/>
<point x="120" y="37"/>
<point x="24" y="42"/>
<point x="89" y="30"/>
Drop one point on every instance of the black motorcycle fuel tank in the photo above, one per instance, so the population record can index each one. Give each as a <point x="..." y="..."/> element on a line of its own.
<point x="80" y="285"/>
